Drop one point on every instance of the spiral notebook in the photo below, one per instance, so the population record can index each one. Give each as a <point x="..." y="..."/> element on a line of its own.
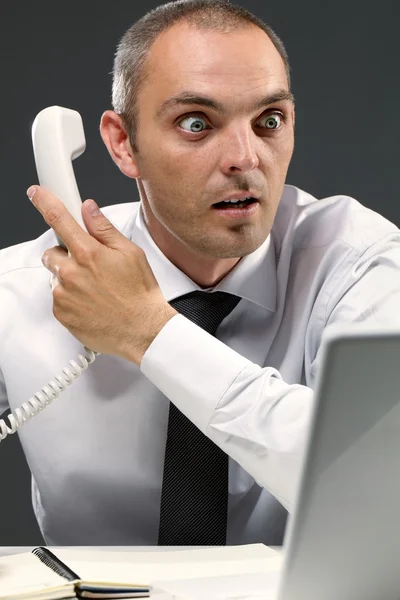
<point x="97" y="574"/>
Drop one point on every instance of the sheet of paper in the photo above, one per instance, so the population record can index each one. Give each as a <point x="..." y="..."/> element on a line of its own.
<point x="25" y="574"/>
<point x="145" y="567"/>
<point x="257" y="586"/>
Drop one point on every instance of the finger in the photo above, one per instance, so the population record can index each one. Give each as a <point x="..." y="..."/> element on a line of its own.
<point x="100" y="227"/>
<point x="58" y="218"/>
<point x="53" y="258"/>
<point x="53" y="281"/>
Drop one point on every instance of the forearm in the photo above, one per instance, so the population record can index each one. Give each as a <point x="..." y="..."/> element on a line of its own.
<point x="133" y="347"/>
<point x="256" y="418"/>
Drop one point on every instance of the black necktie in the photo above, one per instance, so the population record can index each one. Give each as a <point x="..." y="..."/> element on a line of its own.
<point x="194" y="494"/>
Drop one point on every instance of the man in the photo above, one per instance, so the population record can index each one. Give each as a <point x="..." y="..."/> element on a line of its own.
<point x="208" y="314"/>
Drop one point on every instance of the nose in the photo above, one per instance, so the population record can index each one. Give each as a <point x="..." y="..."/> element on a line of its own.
<point x="239" y="150"/>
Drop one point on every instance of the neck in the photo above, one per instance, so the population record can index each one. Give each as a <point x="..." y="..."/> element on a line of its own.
<point x="203" y="270"/>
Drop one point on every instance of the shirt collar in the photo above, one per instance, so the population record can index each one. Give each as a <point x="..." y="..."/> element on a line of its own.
<point x="253" y="278"/>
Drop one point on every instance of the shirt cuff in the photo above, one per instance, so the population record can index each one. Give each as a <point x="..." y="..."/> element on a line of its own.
<point x="192" y="368"/>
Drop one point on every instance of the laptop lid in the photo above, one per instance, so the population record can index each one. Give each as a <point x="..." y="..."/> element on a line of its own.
<point x="343" y="538"/>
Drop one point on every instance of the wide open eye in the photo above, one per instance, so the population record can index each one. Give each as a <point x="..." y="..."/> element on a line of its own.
<point x="193" y="124"/>
<point x="271" y="121"/>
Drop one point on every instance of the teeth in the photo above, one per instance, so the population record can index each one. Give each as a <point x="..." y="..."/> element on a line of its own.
<point x="233" y="201"/>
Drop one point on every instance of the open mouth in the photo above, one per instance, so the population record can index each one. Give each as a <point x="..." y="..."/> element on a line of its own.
<point x="226" y="204"/>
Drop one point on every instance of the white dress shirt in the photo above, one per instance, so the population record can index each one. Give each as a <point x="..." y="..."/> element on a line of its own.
<point x="97" y="452"/>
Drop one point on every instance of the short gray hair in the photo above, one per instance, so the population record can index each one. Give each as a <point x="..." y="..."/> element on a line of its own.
<point x="133" y="49"/>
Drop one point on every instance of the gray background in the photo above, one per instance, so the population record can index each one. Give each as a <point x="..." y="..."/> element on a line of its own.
<point x="344" y="57"/>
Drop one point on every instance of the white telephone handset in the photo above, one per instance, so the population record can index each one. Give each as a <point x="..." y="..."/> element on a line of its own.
<point x="58" y="138"/>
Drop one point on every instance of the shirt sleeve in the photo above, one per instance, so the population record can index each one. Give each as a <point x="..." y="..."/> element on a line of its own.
<point x="249" y="411"/>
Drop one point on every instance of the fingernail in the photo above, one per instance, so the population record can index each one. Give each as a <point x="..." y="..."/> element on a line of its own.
<point x="92" y="208"/>
<point x="30" y="192"/>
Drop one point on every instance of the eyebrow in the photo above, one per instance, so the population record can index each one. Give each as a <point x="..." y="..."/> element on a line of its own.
<point x="189" y="97"/>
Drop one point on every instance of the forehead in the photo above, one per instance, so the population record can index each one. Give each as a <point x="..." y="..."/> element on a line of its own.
<point x="243" y="61"/>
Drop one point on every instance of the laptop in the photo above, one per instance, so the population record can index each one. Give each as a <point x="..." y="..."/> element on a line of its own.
<point x="343" y="538"/>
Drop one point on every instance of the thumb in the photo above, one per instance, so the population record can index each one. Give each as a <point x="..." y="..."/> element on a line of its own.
<point x="99" y="226"/>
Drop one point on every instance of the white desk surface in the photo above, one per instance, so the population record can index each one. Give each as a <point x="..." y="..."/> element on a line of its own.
<point x="7" y="550"/>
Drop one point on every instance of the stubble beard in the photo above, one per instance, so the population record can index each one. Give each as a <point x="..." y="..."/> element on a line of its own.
<point x="240" y="240"/>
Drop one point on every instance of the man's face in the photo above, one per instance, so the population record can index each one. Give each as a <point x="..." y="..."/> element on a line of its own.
<point x="222" y="136"/>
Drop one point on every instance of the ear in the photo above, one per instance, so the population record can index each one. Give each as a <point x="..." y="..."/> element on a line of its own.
<point x="116" y="139"/>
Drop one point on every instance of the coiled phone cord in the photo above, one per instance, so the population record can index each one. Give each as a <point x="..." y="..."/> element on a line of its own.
<point x="47" y="394"/>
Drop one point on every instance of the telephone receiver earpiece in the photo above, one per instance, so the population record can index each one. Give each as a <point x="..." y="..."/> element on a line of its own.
<point x="58" y="138"/>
